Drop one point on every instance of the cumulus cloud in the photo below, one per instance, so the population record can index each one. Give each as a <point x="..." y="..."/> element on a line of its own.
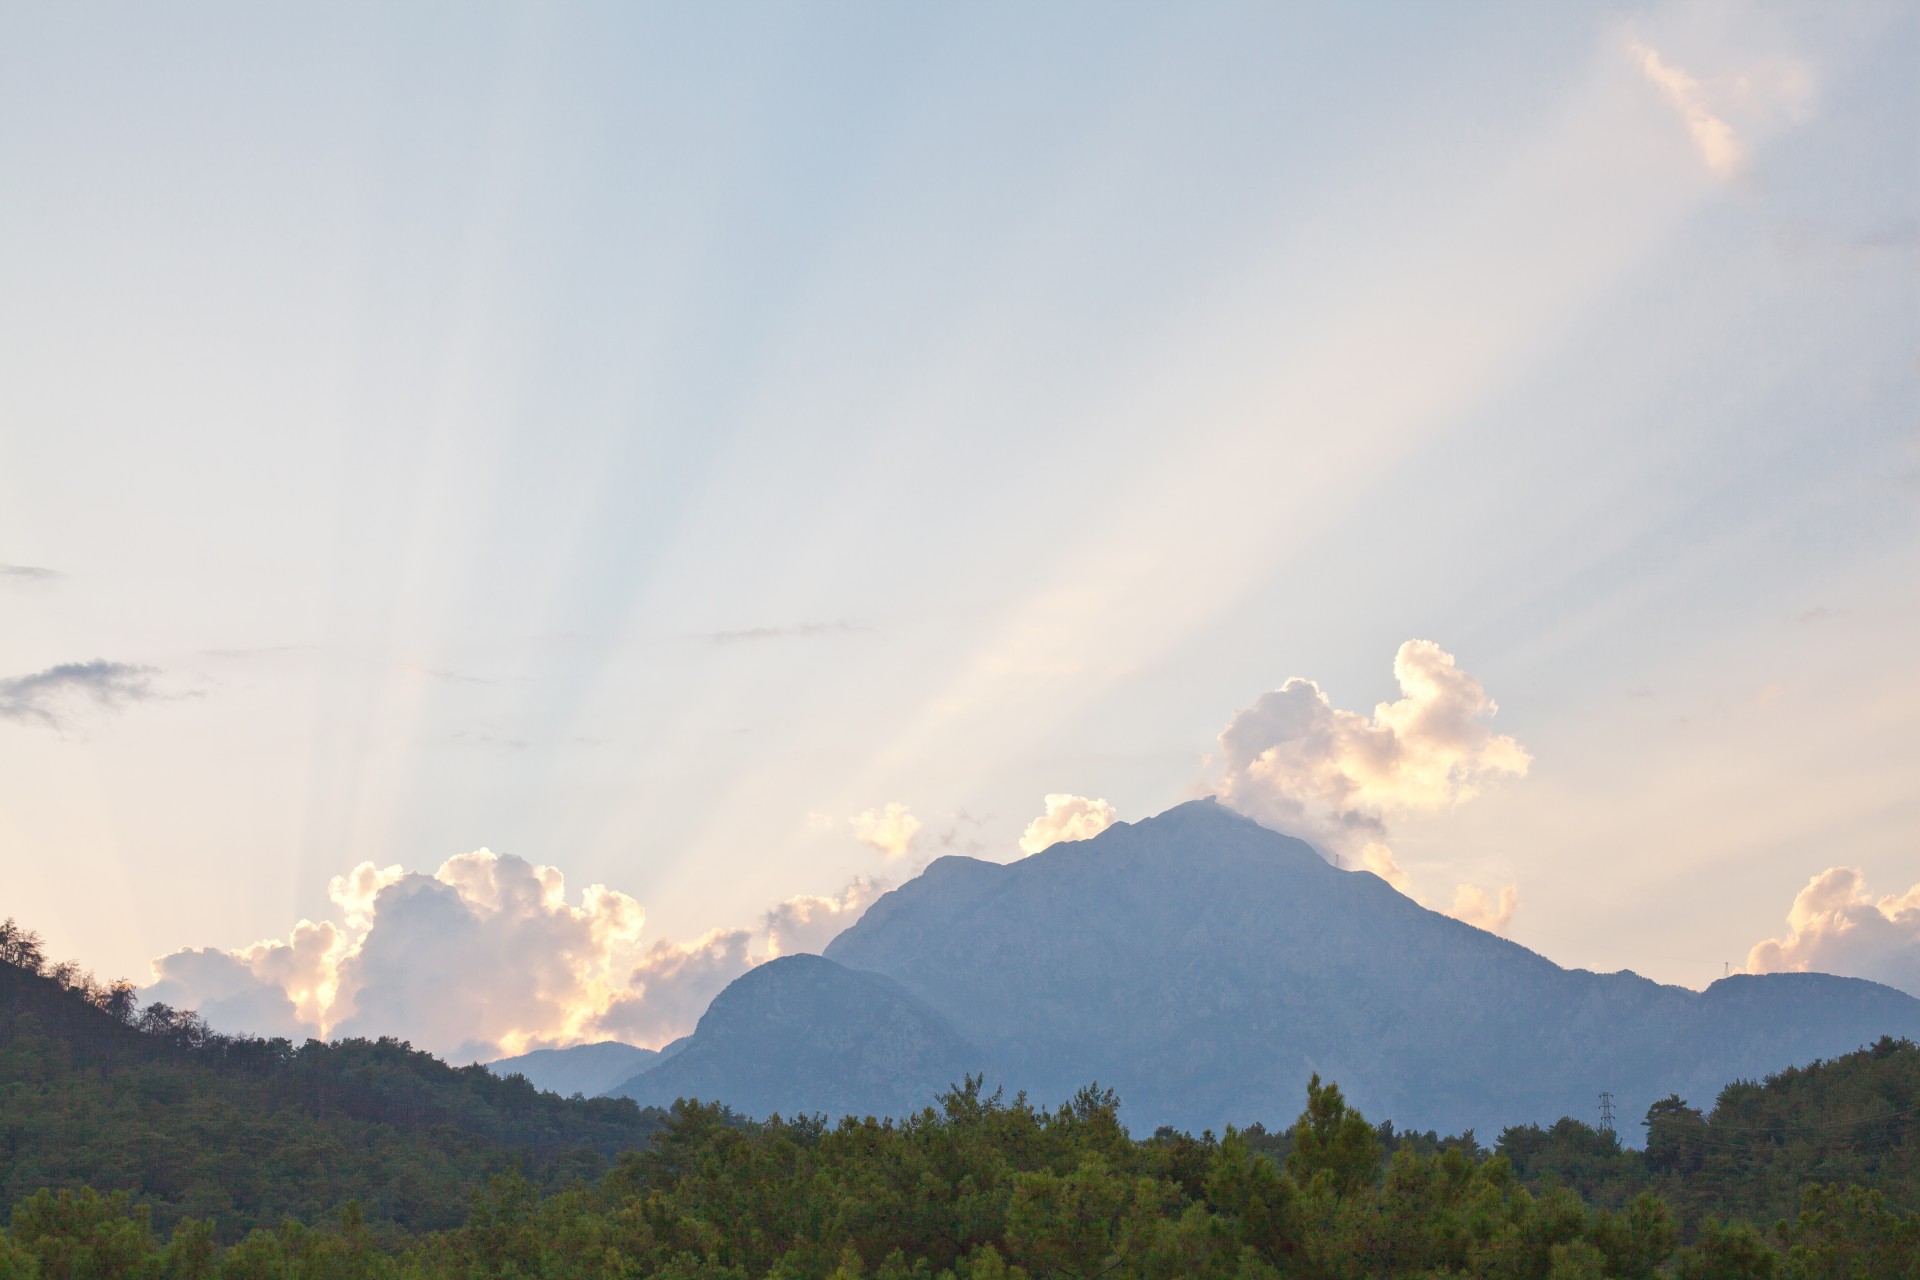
<point x="49" y="697"/>
<point x="1836" y="925"/>
<point x="807" y="923"/>
<point x="1068" y="817"/>
<point x="226" y="991"/>
<point x="673" y="984"/>
<point x="1471" y="904"/>
<point x="485" y="957"/>
<point x="892" y="829"/>
<point x="1295" y="762"/>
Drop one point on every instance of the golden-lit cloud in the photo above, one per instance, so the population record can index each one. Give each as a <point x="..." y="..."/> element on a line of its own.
<point x="1295" y="762"/>
<point x="485" y="957"/>
<point x="1837" y="925"/>
<point x="892" y="829"/>
<point x="1471" y="904"/>
<point x="808" y="922"/>
<point x="1068" y="817"/>
<point x="1753" y="94"/>
<point x="1723" y="152"/>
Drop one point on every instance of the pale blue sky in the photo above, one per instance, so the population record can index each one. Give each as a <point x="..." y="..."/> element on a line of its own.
<point x="611" y="435"/>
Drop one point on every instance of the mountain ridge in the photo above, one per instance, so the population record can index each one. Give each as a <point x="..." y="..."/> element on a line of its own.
<point x="1204" y="966"/>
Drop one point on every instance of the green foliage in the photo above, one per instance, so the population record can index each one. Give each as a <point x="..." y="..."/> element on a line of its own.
<point x="1854" y="1121"/>
<point x="1728" y="1251"/>
<point x="255" y="1158"/>
<point x="1334" y="1142"/>
<point x="245" y="1132"/>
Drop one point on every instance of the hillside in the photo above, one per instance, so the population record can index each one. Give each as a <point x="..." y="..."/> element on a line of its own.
<point x="801" y="1034"/>
<point x="980" y="1187"/>
<point x="400" y="1166"/>
<point x="245" y="1132"/>
<point x="588" y="1069"/>
<point x="1204" y="967"/>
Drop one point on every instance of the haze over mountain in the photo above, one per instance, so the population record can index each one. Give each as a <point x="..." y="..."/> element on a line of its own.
<point x="591" y="1069"/>
<point x="1204" y="967"/>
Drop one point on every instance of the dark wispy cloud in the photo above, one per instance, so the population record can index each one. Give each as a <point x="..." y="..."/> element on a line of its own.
<point x="800" y="632"/>
<point x="43" y="697"/>
<point x="28" y="573"/>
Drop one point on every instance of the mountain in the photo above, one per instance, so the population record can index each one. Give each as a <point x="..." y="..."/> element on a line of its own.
<point x="589" y="1069"/>
<point x="802" y="1034"/>
<point x="1204" y="966"/>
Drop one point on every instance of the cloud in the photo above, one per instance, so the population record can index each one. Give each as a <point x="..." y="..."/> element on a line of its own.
<point x="1722" y="151"/>
<point x="1068" y="817"/>
<point x="1837" y="926"/>
<point x="47" y="697"/>
<point x="892" y="830"/>
<point x="807" y="923"/>
<point x="1470" y="903"/>
<point x="1703" y="105"/>
<point x="28" y="573"/>
<point x="674" y="983"/>
<point x="1295" y="762"/>
<point x="485" y="957"/>
<point x="225" y="990"/>
<point x="803" y="631"/>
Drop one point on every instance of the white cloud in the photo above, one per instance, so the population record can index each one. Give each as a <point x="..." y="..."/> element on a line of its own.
<point x="1294" y="759"/>
<point x="892" y="830"/>
<point x="673" y="985"/>
<point x="1471" y="904"/>
<point x="486" y="957"/>
<point x="1703" y="104"/>
<point x="807" y="923"/>
<point x="1837" y="926"/>
<point x="1722" y="151"/>
<point x="483" y="958"/>
<point x="1068" y="817"/>
<point x="1379" y="859"/>
<point x="223" y="988"/>
<point x="1297" y="763"/>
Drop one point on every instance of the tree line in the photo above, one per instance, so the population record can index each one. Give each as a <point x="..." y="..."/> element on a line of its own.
<point x="158" y="1149"/>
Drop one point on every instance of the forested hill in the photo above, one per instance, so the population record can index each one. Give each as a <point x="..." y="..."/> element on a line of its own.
<point x="1850" y="1121"/>
<point x="265" y="1160"/>
<point x="245" y="1131"/>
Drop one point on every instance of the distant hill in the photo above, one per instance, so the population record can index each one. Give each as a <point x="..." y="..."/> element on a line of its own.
<point x="590" y="1069"/>
<point x="801" y="1034"/>
<point x="246" y="1132"/>
<point x="1204" y="966"/>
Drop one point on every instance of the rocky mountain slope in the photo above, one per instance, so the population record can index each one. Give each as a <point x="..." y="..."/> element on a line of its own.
<point x="1204" y="967"/>
<point x="801" y="1034"/>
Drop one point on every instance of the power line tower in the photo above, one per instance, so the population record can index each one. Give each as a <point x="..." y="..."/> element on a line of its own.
<point x="1606" y="1112"/>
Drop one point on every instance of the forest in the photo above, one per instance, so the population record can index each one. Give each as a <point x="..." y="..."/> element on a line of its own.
<point x="137" y="1143"/>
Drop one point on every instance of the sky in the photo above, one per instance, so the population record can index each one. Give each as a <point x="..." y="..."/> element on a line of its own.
<point x="512" y="514"/>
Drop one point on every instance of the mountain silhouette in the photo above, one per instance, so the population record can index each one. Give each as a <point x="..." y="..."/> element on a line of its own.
<point x="800" y="1035"/>
<point x="1204" y="967"/>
